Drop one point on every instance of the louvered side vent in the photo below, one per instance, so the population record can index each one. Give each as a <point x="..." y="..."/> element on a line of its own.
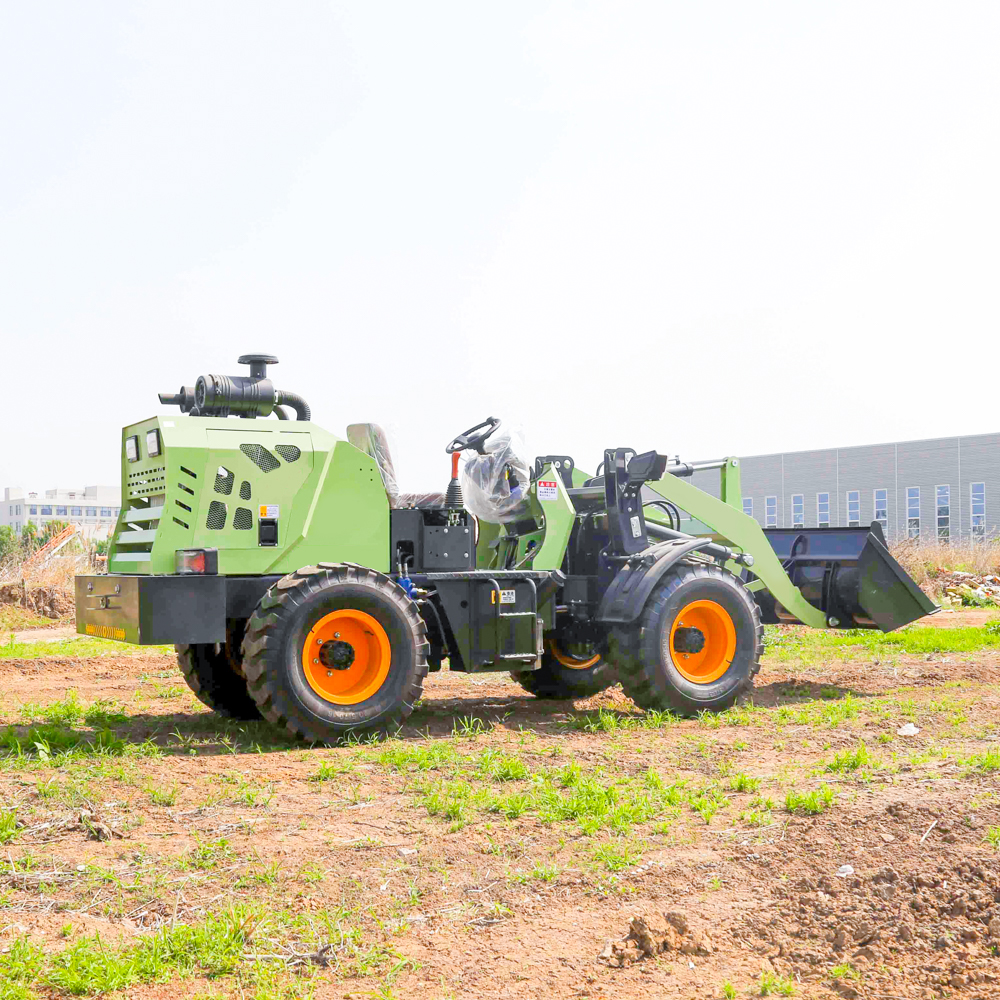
<point x="224" y="481"/>
<point x="216" y="520"/>
<point x="260" y="457"/>
<point x="243" y="519"/>
<point x="288" y="452"/>
<point x="245" y="490"/>
<point x="144" y="500"/>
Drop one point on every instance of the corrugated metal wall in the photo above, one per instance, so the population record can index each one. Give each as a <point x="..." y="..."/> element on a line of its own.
<point x="926" y="465"/>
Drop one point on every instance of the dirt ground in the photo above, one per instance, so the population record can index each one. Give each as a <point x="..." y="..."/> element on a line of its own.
<point x="371" y="851"/>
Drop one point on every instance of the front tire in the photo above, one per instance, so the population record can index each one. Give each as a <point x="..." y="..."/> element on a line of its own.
<point x="333" y="649"/>
<point x="697" y="644"/>
<point x="213" y="671"/>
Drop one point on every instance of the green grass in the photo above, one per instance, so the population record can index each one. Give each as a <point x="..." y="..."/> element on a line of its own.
<point x="728" y="990"/>
<point x="812" y="803"/>
<point x="163" y="796"/>
<point x="741" y="782"/>
<point x="8" y="825"/>
<point x="616" y="856"/>
<point x="851" y="761"/>
<point x="771" y="984"/>
<point x="986" y="762"/>
<point x="993" y="837"/>
<point x="78" y="649"/>
<point x="58" y="745"/>
<point x="811" y="646"/>
<point x="844" y="971"/>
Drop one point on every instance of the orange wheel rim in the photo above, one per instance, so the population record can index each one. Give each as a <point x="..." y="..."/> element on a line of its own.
<point x="717" y="630"/>
<point x="346" y="657"/>
<point x="573" y="662"/>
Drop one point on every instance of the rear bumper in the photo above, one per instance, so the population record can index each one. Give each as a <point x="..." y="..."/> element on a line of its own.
<point x="164" y="610"/>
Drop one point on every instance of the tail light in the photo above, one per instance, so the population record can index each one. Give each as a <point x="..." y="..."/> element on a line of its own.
<point x="201" y="561"/>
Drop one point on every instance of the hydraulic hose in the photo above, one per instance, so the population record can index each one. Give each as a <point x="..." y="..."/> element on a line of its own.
<point x="295" y="401"/>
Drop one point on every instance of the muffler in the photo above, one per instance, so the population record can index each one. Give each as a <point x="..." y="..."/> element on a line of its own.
<point x="849" y="574"/>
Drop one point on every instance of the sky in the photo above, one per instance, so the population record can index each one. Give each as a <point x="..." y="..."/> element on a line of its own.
<point x="709" y="229"/>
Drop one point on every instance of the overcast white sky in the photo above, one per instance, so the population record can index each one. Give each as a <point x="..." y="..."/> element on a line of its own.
<point x="706" y="228"/>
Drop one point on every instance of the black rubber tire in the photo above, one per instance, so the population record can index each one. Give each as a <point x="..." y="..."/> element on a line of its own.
<point x="212" y="671"/>
<point x="553" y="680"/>
<point x="647" y="674"/>
<point x="272" y="651"/>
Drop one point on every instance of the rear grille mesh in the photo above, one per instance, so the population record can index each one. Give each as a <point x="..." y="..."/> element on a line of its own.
<point x="224" y="481"/>
<point x="216" y="520"/>
<point x="243" y="519"/>
<point x="260" y="457"/>
<point x="288" y="452"/>
<point x="245" y="490"/>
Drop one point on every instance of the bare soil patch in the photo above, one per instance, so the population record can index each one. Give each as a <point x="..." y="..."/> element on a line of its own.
<point x="187" y="814"/>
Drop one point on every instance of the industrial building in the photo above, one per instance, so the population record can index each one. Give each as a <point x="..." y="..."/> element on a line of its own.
<point x="934" y="490"/>
<point x="93" y="509"/>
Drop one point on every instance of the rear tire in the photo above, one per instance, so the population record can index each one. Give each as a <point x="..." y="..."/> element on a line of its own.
<point x="319" y="683"/>
<point x="562" y="675"/>
<point x="212" y="671"/>
<point x="697" y="644"/>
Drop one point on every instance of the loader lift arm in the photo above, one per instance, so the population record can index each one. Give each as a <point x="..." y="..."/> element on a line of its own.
<point x="742" y="532"/>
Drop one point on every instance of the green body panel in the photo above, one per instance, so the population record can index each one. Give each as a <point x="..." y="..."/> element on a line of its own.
<point x="331" y="504"/>
<point x="739" y="530"/>
<point x="559" y="515"/>
<point x="488" y="533"/>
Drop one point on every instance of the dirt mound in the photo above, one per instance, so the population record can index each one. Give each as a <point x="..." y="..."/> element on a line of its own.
<point x="51" y="602"/>
<point x="648" y="937"/>
<point x="937" y="925"/>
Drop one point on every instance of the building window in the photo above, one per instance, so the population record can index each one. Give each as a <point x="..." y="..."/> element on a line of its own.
<point x="748" y="506"/>
<point x="823" y="510"/>
<point x="61" y="511"/>
<point x="76" y="511"/>
<point x="882" y="509"/>
<point x="33" y="510"/>
<point x="105" y="512"/>
<point x="770" y="512"/>
<point x="47" y="511"/>
<point x="91" y="512"/>
<point x="798" y="510"/>
<point x="853" y="509"/>
<point x="942" y="502"/>
<point x="978" y="511"/>
<point x="17" y="510"/>
<point x="913" y="512"/>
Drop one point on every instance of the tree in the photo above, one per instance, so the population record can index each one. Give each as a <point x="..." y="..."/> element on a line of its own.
<point x="8" y="542"/>
<point x="29" y="539"/>
<point x="51" y="529"/>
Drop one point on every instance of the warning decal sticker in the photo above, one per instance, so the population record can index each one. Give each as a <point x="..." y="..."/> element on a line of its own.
<point x="269" y="510"/>
<point x="547" y="490"/>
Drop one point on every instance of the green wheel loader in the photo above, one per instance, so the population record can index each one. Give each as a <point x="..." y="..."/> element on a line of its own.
<point x="299" y="584"/>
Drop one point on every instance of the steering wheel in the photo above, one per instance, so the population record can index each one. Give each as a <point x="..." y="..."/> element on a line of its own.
<point x="475" y="437"/>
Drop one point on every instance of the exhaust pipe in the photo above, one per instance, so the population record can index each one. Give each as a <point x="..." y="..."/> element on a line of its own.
<point x="847" y="573"/>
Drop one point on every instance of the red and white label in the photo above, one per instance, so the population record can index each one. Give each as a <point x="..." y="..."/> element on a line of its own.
<point x="547" y="490"/>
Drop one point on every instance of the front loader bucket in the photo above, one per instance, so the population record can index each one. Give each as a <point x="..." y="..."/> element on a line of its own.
<point x="849" y="574"/>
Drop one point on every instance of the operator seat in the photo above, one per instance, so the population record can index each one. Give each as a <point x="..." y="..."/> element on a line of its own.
<point x="372" y="440"/>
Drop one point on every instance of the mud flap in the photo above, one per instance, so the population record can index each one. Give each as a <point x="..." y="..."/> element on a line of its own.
<point x="849" y="574"/>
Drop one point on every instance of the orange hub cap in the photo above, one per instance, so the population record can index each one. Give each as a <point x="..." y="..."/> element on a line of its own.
<point x="702" y="641"/>
<point x="573" y="662"/>
<point x="346" y="657"/>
